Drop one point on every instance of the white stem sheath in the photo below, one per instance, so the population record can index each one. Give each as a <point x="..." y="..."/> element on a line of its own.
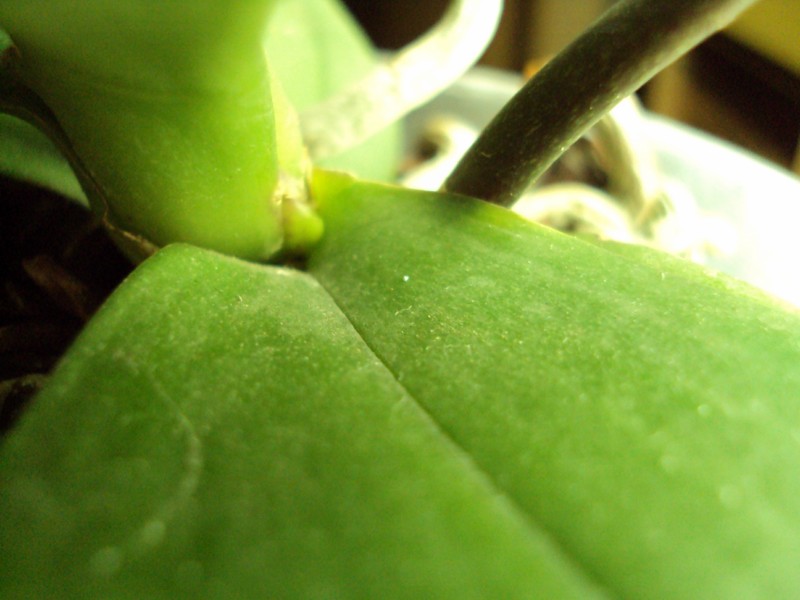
<point x="412" y="76"/>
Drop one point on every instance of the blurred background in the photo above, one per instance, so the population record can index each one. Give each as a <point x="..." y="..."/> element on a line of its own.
<point x="742" y="85"/>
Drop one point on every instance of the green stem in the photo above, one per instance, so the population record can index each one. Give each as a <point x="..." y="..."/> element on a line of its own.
<point x="628" y="45"/>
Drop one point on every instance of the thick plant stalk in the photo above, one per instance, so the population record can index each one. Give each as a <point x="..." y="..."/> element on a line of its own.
<point x="166" y="109"/>
<point x="628" y="45"/>
<point x="411" y="77"/>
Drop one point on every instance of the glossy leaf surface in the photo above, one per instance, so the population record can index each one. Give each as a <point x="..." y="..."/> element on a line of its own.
<point x="643" y="411"/>
<point x="221" y="431"/>
<point x="502" y="411"/>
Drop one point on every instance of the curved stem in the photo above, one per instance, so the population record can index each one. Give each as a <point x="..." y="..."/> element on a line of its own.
<point x="412" y="76"/>
<point x="620" y="52"/>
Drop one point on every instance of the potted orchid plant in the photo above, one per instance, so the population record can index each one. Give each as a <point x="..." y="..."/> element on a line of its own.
<point x="315" y="384"/>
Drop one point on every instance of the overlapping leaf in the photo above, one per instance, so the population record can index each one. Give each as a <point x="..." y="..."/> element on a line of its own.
<point x="516" y="413"/>
<point x="220" y="431"/>
<point x="645" y="412"/>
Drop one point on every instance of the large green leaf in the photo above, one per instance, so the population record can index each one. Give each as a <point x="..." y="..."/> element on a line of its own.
<point x="644" y="411"/>
<point x="504" y="411"/>
<point x="221" y="431"/>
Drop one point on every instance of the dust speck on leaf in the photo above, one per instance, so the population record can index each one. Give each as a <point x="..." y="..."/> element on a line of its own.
<point x="106" y="561"/>
<point x="152" y="533"/>
<point x="730" y="496"/>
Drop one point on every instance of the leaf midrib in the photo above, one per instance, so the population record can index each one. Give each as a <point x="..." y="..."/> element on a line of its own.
<point x="515" y="508"/>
